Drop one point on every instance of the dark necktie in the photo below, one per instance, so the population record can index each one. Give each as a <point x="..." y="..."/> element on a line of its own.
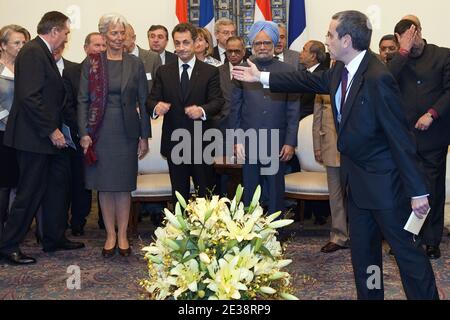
<point x="344" y="83"/>
<point x="184" y="80"/>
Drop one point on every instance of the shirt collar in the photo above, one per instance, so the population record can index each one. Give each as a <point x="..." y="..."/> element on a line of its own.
<point x="353" y="66"/>
<point x="281" y="57"/>
<point x="313" y="68"/>
<point x="191" y="63"/>
<point x="135" y="52"/>
<point x="60" y="65"/>
<point x="47" y="44"/>
<point x="221" y="50"/>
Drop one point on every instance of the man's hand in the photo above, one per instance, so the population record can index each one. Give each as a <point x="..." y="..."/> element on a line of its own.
<point x="142" y="148"/>
<point x="424" y="122"/>
<point x="194" y="112"/>
<point x="85" y="143"/>
<point x="318" y="156"/>
<point x="239" y="151"/>
<point x="162" y="108"/>
<point x="287" y="152"/>
<point x="406" y="40"/>
<point x="246" y="74"/>
<point x="420" y="206"/>
<point x="58" y="139"/>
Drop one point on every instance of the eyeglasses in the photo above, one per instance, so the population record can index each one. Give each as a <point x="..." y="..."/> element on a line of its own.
<point x="228" y="33"/>
<point x="265" y="43"/>
<point x="236" y="52"/>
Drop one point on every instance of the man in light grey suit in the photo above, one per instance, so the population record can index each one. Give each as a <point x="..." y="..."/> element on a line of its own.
<point x="284" y="54"/>
<point x="151" y="60"/>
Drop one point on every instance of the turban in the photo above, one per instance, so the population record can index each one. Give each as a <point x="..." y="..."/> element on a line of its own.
<point x="269" y="27"/>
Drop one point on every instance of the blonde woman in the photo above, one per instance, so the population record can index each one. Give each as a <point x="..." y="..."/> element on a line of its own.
<point x="203" y="47"/>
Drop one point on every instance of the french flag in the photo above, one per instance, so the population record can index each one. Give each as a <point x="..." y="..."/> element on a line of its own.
<point x="207" y="19"/>
<point x="263" y="11"/>
<point x="181" y="10"/>
<point x="297" y="34"/>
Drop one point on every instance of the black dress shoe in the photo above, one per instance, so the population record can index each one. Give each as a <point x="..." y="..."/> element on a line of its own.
<point x="332" y="247"/>
<point x="433" y="252"/>
<point x="77" y="231"/>
<point x="18" y="258"/>
<point x="66" y="245"/>
<point x="108" y="253"/>
<point x="125" y="252"/>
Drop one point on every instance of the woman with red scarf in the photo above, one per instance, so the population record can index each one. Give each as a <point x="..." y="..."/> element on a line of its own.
<point x="114" y="128"/>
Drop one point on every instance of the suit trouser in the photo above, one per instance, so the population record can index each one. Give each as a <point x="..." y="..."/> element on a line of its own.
<point x="42" y="180"/>
<point x="434" y="164"/>
<point x="202" y="176"/>
<point x="367" y="228"/>
<point x="273" y="185"/>
<point x="339" y="226"/>
<point x="80" y="198"/>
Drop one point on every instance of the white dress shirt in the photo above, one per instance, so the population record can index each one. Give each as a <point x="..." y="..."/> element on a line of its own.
<point x="135" y="51"/>
<point x="60" y="65"/>
<point x="163" y="57"/>
<point x="313" y="68"/>
<point x="222" y="54"/>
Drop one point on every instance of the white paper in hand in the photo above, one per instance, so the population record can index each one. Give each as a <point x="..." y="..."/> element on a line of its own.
<point x="414" y="224"/>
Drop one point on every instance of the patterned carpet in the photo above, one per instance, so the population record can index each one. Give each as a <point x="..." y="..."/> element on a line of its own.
<point x="317" y="276"/>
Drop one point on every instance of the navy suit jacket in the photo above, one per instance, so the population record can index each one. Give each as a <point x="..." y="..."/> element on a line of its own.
<point x="379" y="163"/>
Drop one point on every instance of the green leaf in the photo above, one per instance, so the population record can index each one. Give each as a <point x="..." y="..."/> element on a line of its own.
<point x="189" y="258"/>
<point x="238" y="196"/>
<point x="231" y="244"/>
<point x="201" y="245"/>
<point x="258" y="244"/>
<point x="256" y="197"/>
<point x="181" y="199"/>
<point x="208" y="214"/>
<point x="266" y="252"/>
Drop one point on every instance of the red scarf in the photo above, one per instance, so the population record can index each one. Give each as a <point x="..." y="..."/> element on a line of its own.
<point x="98" y="91"/>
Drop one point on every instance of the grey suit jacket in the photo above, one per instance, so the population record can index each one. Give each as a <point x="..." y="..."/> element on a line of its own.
<point x="152" y="61"/>
<point x="134" y="93"/>
<point x="226" y="85"/>
<point x="292" y="57"/>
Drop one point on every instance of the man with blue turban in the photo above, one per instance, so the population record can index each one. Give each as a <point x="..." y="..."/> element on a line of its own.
<point x="273" y="118"/>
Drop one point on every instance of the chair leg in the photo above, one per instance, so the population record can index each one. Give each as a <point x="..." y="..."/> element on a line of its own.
<point x="134" y="216"/>
<point x="301" y="211"/>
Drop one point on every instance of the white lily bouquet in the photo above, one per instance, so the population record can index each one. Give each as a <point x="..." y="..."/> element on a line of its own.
<point x="217" y="249"/>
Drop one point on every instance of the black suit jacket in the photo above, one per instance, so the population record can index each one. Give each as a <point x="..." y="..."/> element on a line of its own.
<point x="425" y="83"/>
<point x="171" y="57"/>
<point x="39" y="96"/>
<point x="307" y="99"/>
<point x="204" y="91"/>
<point x="71" y="78"/>
<point x="378" y="155"/>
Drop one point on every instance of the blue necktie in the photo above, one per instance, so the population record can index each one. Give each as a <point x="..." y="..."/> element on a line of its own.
<point x="184" y="80"/>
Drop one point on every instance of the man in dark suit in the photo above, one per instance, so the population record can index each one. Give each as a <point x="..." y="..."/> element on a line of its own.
<point x="312" y="57"/>
<point x="379" y="165"/>
<point x="80" y="198"/>
<point x="158" y="37"/>
<point x="150" y="59"/>
<point x="254" y="108"/>
<point x="423" y="72"/>
<point x="284" y="54"/>
<point x="34" y="129"/>
<point x="186" y="93"/>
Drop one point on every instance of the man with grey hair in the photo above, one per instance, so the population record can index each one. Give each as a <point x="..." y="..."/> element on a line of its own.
<point x="255" y="108"/>
<point x="224" y="29"/>
<point x="35" y="129"/>
<point x="379" y="165"/>
<point x="284" y="54"/>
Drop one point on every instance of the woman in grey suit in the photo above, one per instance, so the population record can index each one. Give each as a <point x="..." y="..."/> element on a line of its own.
<point x="114" y="128"/>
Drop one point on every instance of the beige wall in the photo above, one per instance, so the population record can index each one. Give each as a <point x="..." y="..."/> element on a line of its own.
<point x="143" y="13"/>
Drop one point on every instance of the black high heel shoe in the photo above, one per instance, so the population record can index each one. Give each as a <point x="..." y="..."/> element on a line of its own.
<point x="108" y="253"/>
<point x="125" y="252"/>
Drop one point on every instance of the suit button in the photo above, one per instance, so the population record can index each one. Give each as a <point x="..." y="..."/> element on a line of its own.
<point x="419" y="82"/>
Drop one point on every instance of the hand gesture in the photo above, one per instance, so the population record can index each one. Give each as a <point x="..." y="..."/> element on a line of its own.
<point x="58" y="139"/>
<point x="162" y="108"/>
<point x="194" y="112"/>
<point x="287" y="152"/>
<point x="406" y="40"/>
<point x="246" y="74"/>
<point x="85" y="143"/>
<point x="424" y="122"/>
<point x="420" y="207"/>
